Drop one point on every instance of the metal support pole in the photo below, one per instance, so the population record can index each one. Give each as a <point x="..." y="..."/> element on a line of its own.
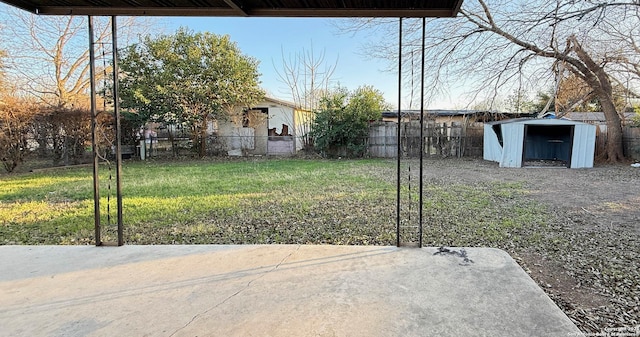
<point x="421" y="137"/>
<point x="116" y="112"/>
<point x="398" y="154"/>
<point x="94" y="146"/>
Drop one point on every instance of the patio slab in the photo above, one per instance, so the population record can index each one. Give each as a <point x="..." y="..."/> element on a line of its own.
<point x="270" y="290"/>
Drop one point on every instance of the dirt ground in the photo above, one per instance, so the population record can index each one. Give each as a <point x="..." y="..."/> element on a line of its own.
<point x="594" y="275"/>
<point x="608" y="194"/>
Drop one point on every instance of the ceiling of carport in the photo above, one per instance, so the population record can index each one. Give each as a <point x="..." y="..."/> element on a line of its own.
<point x="248" y="8"/>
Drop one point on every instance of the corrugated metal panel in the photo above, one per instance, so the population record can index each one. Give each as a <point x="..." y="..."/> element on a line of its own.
<point x="492" y="150"/>
<point x="582" y="151"/>
<point x="584" y="143"/>
<point x="513" y="138"/>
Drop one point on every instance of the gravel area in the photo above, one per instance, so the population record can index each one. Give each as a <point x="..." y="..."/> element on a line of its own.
<point x="589" y="262"/>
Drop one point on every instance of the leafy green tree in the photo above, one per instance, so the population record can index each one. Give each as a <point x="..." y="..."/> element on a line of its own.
<point x="188" y="79"/>
<point x="636" y="117"/>
<point x="341" y="126"/>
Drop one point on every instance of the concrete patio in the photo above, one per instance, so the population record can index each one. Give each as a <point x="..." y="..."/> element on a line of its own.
<point x="270" y="290"/>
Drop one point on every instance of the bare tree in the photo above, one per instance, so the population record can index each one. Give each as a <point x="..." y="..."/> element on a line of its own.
<point x="3" y="54"/>
<point x="307" y="75"/>
<point x="506" y="46"/>
<point x="49" y="56"/>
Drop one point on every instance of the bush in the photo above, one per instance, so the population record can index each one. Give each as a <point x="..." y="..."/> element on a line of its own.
<point x="64" y="134"/>
<point x="16" y="117"/>
<point x="341" y="127"/>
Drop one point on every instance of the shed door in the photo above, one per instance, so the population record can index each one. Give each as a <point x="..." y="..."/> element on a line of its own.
<point x="547" y="145"/>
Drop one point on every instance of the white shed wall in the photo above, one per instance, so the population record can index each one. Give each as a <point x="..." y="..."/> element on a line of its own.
<point x="492" y="150"/>
<point x="510" y="153"/>
<point x="513" y="142"/>
<point x="584" y="143"/>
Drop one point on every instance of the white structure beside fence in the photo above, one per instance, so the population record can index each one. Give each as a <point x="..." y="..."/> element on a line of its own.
<point x="516" y="142"/>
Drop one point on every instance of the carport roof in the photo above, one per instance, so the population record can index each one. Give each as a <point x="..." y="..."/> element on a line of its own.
<point x="248" y="8"/>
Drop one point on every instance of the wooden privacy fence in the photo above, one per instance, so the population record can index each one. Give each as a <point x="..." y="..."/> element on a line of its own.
<point x="440" y="139"/>
<point x="631" y="140"/>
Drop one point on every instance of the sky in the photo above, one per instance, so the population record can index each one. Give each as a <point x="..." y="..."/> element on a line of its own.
<point x="268" y="39"/>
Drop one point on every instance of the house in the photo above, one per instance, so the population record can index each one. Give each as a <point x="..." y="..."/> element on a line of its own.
<point x="271" y="127"/>
<point x="540" y="142"/>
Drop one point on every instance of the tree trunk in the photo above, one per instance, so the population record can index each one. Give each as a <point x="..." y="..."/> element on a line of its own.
<point x="202" y="151"/>
<point x="174" y="146"/>
<point x="614" y="150"/>
<point x="596" y="77"/>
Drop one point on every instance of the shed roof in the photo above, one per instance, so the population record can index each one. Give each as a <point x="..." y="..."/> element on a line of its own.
<point x="264" y="8"/>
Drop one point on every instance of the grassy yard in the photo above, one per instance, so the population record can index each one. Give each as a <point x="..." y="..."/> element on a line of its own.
<point x="574" y="231"/>
<point x="261" y="201"/>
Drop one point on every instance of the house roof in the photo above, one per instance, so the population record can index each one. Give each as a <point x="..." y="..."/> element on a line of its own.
<point x="439" y="112"/>
<point x="282" y="102"/>
<point x="247" y="8"/>
<point x="593" y="116"/>
<point x="448" y="113"/>
<point x="588" y="116"/>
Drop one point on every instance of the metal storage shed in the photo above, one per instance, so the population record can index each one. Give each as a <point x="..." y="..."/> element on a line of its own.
<point x="524" y="142"/>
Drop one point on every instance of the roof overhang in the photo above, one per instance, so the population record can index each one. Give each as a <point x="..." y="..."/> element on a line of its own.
<point x="247" y="8"/>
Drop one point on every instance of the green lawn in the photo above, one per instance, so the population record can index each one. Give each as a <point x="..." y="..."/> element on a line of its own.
<point x="260" y="201"/>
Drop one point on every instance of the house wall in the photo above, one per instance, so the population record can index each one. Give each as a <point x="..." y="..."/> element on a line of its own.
<point x="303" y="122"/>
<point x="260" y="135"/>
<point x="238" y="140"/>
<point x="451" y="120"/>
<point x="278" y="116"/>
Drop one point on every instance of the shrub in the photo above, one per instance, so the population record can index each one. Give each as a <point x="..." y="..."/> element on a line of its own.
<point x="341" y="127"/>
<point x="16" y="117"/>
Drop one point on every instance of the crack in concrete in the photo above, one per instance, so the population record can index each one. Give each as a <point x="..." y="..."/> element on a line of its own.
<point x="193" y="319"/>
